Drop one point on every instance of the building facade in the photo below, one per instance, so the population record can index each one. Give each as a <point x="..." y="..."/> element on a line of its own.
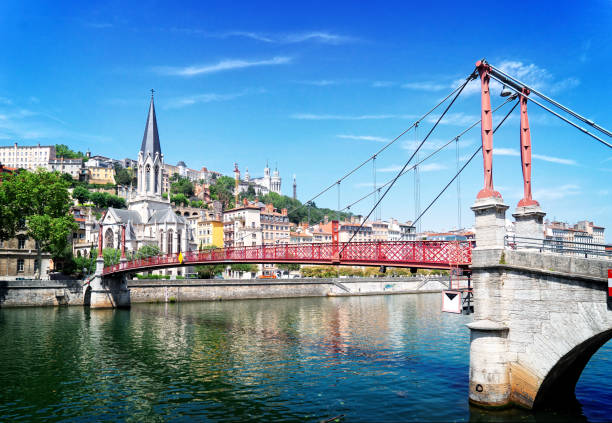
<point x="27" y="157"/>
<point x="19" y="259"/>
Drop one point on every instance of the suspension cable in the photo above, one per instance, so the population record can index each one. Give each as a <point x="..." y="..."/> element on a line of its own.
<point x="546" y="98"/>
<point x="467" y="80"/>
<point x="455" y="92"/>
<point x="557" y="114"/>
<point x="430" y="155"/>
<point x="472" y="76"/>
<point x="464" y="166"/>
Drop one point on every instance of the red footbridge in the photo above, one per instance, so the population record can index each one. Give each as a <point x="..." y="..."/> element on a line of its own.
<point x="413" y="254"/>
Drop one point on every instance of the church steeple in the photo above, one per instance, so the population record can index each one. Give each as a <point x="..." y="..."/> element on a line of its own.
<point x="150" y="140"/>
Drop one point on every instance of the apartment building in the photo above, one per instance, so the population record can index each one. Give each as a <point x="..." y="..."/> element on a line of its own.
<point x="30" y="157"/>
<point x="242" y="225"/>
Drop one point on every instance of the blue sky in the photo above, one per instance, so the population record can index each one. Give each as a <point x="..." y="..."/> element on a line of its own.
<point x="316" y="88"/>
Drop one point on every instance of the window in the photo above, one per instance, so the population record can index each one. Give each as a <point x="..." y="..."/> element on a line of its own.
<point x="21" y="243"/>
<point x="36" y="264"/>
<point x="20" y="265"/>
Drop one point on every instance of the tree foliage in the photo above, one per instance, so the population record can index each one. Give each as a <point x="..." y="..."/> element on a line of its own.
<point x="181" y="185"/>
<point x="104" y="200"/>
<point x="38" y="204"/>
<point x="244" y="267"/>
<point x="62" y="150"/>
<point x="81" y="194"/>
<point x="223" y="190"/>
<point x="179" y="199"/>
<point x="123" y="176"/>
<point x="289" y="267"/>
<point x="147" y="251"/>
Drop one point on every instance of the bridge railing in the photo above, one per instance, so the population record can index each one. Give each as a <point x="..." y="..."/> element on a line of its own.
<point x="579" y="249"/>
<point x="393" y="253"/>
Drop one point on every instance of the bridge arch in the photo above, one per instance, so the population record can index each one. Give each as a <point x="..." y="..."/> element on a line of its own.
<point x="558" y="388"/>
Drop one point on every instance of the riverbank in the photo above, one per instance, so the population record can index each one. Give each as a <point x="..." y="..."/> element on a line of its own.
<point x="30" y="293"/>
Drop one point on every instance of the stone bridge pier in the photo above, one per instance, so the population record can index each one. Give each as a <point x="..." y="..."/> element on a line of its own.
<point x="107" y="292"/>
<point x="539" y="317"/>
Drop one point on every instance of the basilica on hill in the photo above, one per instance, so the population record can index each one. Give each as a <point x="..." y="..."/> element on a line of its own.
<point x="149" y="219"/>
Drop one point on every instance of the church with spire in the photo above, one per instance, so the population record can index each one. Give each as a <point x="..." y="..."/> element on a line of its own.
<point x="149" y="218"/>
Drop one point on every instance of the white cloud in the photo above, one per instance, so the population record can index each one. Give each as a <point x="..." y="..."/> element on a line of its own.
<point x="363" y="138"/>
<point x="550" y="159"/>
<point x="203" y="98"/>
<point x="425" y="86"/>
<point x="431" y="167"/>
<point x="320" y="82"/>
<point x="319" y="36"/>
<point x="221" y="66"/>
<point x="454" y="118"/>
<point x="528" y="73"/>
<point x="390" y="169"/>
<point x="382" y="84"/>
<point x="312" y="116"/>
<point x="556" y="193"/>
<point x="554" y="159"/>
<point x="505" y="152"/>
<point x="323" y="37"/>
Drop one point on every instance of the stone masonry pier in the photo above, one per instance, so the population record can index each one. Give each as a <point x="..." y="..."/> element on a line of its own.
<point x="539" y="317"/>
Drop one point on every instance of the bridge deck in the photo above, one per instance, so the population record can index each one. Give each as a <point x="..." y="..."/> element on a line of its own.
<point x="420" y="254"/>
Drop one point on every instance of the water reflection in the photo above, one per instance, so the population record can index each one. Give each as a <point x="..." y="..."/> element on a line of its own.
<point x="379" y="358"/>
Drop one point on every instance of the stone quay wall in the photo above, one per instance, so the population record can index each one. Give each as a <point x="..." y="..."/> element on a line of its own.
<point x="58" y="292"/>
<point x="23" y="293"/>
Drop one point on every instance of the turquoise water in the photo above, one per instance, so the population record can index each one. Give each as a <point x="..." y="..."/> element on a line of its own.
<point x="378" y="358"/>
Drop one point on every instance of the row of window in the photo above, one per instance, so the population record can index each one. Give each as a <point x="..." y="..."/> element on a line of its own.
<point x="21" y="265"/>
<point x="273" y="227"/>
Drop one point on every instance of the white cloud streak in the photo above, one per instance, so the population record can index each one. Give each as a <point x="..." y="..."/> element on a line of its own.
<point x="545" y="158"/>
<point x="221" y="66"/>
<point x="313" y="116"/>
<point x="363" y="138"/>
<point x="531" y="74"/>
<point x="425" y="86"/>
<point x="557" y="193"/>
<point x="322" y="37"/>
<point x="179" y="102"/>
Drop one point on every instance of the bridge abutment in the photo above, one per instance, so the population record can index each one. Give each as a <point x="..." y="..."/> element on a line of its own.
<point x="538" y="320"/>
<point x="108" y="292"/>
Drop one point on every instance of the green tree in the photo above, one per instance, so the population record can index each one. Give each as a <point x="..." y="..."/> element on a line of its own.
<point x="244" y="267"/>
<point x="99" y="199"/>
<point x="147" y="251"/>
<point x="62" y="150"/>
<point x="223" y="190"/>
<point x="181" y="185"/>
<point x="111" y="255"/>
<point x="289" y="267"/>
<point x="80" y="194"/>
<point x="179" y="199"/>
<point x="38" y="204"/>
<point x="123" y="176"/>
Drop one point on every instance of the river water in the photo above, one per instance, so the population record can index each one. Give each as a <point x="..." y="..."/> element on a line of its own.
<point x="375" y="358"/>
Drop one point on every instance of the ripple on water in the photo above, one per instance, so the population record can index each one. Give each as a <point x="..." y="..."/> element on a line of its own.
<point x="386" y="358"/>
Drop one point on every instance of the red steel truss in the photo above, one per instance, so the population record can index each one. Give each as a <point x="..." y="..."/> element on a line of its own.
<point x="420" y="254"/>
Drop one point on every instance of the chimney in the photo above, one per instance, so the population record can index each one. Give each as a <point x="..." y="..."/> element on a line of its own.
<point x="325" y="220"/>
